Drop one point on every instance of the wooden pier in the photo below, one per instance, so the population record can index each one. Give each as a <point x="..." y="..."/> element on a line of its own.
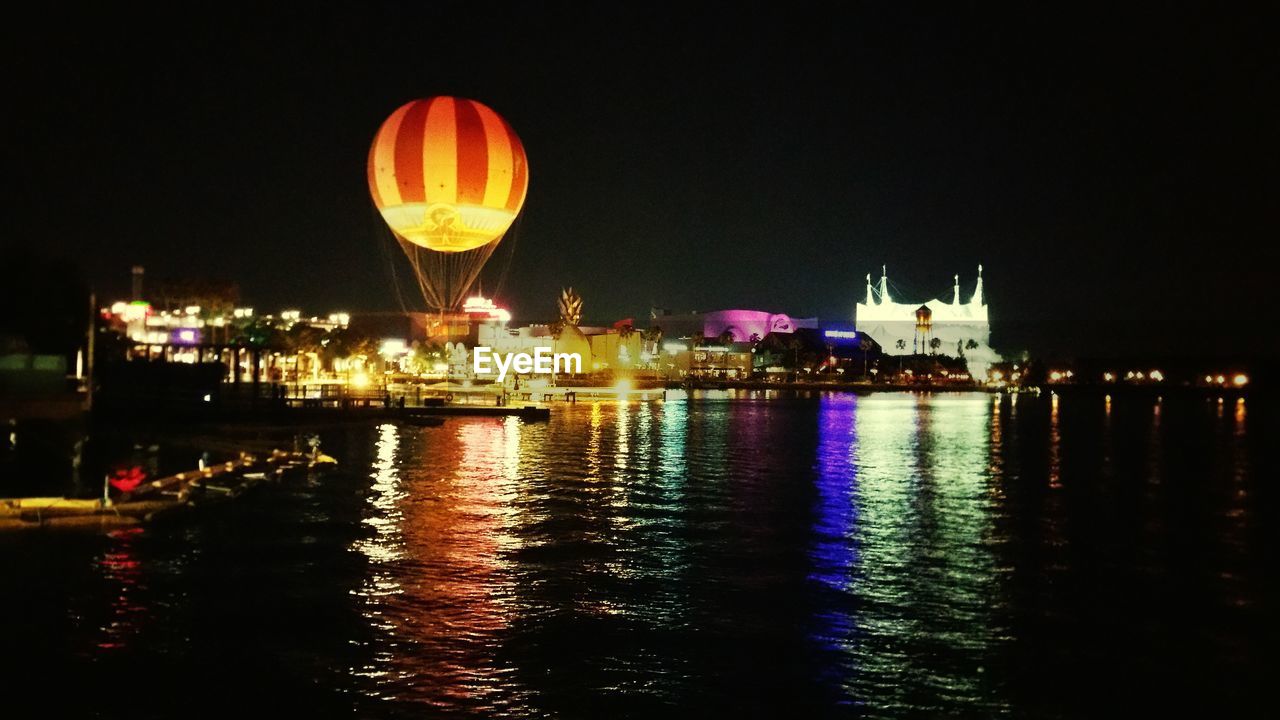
<point x="158" y="497"/>
<point x="524" y="412"/>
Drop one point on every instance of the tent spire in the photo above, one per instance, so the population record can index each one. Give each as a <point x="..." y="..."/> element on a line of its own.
<point x="869" y="298"/>
<point x="955" y="293"/>
<point x="977" y="293"/>
<point x="884" y="285"/>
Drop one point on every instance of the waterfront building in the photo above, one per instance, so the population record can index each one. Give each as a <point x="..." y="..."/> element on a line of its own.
<point x="737" y="325"/>
<point x="733" y="361"/>
<point x="620" y="347"/>
<point x="959" y="329"/>
<point x="195" y="325"/>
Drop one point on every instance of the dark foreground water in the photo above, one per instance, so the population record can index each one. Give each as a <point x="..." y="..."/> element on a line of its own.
<point x="892" y="556"/>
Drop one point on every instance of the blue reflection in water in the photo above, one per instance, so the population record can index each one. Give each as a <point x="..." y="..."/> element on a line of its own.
<point x="833" y="555"/>
<point x="903" y="531"/>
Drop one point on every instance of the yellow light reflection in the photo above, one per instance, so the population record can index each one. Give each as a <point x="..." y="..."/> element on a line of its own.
<point x="1055" y="445"/>
<point x="593" y="441"/>
<point x="622" y="438"/>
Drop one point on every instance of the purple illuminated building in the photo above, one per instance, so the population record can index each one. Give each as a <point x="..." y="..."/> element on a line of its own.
<point x="741" y="324"/>
<point x="184" y="336"/>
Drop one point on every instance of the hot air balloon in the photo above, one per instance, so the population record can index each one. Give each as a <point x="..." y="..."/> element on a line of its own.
<point x="449" y="176"/>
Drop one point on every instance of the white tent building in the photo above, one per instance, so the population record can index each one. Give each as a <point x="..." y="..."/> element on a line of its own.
<point x="933" y="326"/>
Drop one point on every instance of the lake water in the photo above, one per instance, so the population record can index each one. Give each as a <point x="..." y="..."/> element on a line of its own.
<point x="893" y="555"/>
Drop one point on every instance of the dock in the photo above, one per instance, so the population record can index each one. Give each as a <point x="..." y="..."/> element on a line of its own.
<point x="524" y="412"/>
<point x="156" y="498"/>
<point x="296" y="415"/>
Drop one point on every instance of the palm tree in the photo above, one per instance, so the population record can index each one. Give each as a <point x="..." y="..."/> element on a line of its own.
<point x="346" y="343"/>
<point x="261" y="333"/>
<point x="426" y="354"/>
<point x="625" y="333"/>
<point x="303" y="339"/>
<point x="795" y="346"/>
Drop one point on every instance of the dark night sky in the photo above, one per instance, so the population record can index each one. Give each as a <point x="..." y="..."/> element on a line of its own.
<point x="1116" y="174"/>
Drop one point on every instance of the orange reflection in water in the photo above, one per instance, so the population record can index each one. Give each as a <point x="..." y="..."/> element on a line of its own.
<point x="439" y="586"/>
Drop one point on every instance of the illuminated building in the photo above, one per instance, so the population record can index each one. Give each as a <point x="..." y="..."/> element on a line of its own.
<point x="601" y="348"/>
<point x="930" y="327"/>
<point x="194" y="325"/>
<point x="725" y="362"/>
<point x="740" y="325"/>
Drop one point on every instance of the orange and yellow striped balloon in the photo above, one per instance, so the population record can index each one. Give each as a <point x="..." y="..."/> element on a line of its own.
<point x="448" y="174"/>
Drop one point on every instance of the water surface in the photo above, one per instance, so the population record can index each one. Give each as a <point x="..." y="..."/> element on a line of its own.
<point x="895" y="555"/>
